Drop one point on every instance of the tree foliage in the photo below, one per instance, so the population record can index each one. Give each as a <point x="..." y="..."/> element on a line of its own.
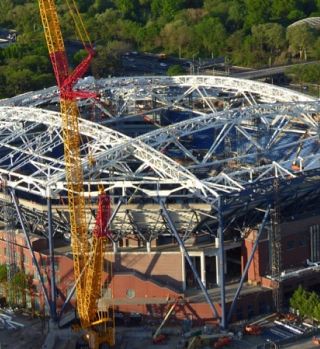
<point x="175" y="70"/>
<point x="301" y="39"/>
<point x="308" y="303"/>
<point x="3" y="273"/>
<point x="306" y="73"/>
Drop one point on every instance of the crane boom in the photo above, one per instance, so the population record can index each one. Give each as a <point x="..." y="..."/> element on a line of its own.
<point x="87" y="259"/>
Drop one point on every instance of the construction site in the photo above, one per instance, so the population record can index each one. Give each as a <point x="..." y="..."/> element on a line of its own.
<point x="143" y="208"/>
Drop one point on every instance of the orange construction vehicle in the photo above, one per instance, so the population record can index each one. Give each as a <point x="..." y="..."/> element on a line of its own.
<point x="316" y="340"/>
<point x="221" y="342"/>
<point x="254" y="330"/>
<point x="291" y="317"/>
<point x="160" y="339"/>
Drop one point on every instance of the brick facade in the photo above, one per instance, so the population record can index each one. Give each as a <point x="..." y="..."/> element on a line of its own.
<point x="295" y="248"/>
<point x="23" y="259"/>
<point x="164" y="267"/>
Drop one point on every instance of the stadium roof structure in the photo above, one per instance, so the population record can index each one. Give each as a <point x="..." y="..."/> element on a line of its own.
<point x="232" y="140"/>
<point x="313" y="22"/>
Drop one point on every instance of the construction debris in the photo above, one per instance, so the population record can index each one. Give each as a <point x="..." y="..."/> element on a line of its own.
<point x="7" y="323"/>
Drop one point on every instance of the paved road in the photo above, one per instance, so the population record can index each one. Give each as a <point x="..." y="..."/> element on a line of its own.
<point x="303" y="344"/>
<point x="141" y="63"/>
<point x="260" y="73"/>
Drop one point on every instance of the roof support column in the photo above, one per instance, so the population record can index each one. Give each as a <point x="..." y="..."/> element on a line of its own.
<point x="53" y="300"/>
<point x="245" y="271"/>
<point x="221" y="257"/>
<point x="28" y="242"/>
<point x="115" y="244"/>
<point x="183" y="270"/>
<point x="203" y="268"/>
<point x="173" y="230"/>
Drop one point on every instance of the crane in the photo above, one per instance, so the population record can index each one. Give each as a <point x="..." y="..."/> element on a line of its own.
<point x="87" y="257"/>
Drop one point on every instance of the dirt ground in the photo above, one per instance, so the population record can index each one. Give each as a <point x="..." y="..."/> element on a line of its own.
<point x="31" y="336"/>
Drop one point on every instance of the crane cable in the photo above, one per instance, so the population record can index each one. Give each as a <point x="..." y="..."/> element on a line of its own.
<point x="80" y="28"/>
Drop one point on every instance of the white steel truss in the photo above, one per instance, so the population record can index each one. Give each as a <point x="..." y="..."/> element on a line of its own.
<point x="28" y="152"/>
<point x="234" y="134"/>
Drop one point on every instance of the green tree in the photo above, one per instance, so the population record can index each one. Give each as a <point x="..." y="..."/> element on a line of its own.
<point x="108" y="60"/>
<point x="166" y="8"/>
<point x="258" y="11"/>
<point x="295" y="15"/>
<point x="270" y="38"/>
<point x="176" y="37"/>
<point x="236" y="15"/>
<point x="79" y="56"/>
<point x="301" y="38"/>
<point x="4" y="280"/>
<point x="26" y="18"/>
<point x="18" y="285"/>
<point x="280" y="9"/>
<point x="217" y="8"/>
<point x="298" y="298"/>
<point x="105" y="27"/>
<point x="83" y="5"/>
<point x="175" y="70"/>
<point x="35" y="63"/>
<point x="148" y="36"/>
<point x="3" y="273"/>
<point x="6" y="9"/>
<point x="99" y="6"/>
<point x="212" y="34"/>
<point x="305" y="74"/>
<point x="191" y="16"/>
<point x="127" y="8"/>
<point x="316" y="311"/>
<point x="18" y="81"/>
<point x="306" y="302"/>
<point x="313" y="301"/>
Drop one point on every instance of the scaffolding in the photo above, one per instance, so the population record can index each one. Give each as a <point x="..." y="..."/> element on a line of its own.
<point x="276" y="248"/>
<point x="8" y="214"/>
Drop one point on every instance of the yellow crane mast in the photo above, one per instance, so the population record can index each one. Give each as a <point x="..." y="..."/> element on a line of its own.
<point x="87" y="258"/>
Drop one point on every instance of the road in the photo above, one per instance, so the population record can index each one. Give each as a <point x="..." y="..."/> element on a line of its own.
<point x="137" y="63"/>
<point x="303" y="344"/>
<point x="261" y="73"/>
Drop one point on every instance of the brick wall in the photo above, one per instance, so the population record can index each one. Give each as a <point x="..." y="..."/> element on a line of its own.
<point x="295" y="248"/>
<point x="164" y="267"/>
<point x="23" y="259"/>
<point x="260" y="263"/>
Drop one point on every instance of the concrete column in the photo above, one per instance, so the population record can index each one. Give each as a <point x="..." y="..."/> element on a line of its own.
<point x="148" y="246"/>
<point x="216" y="242"/>
<point x="217" y="270"/>
<point x="203" y="268"/>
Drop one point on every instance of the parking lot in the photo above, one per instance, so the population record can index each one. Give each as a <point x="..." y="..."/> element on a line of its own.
<point x="138" y="63"/>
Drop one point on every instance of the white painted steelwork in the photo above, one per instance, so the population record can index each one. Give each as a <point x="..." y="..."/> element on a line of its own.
<point x="235" y="133"/>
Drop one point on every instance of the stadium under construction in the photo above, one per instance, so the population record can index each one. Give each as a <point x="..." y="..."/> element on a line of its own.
<point x="214" y="187"/>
